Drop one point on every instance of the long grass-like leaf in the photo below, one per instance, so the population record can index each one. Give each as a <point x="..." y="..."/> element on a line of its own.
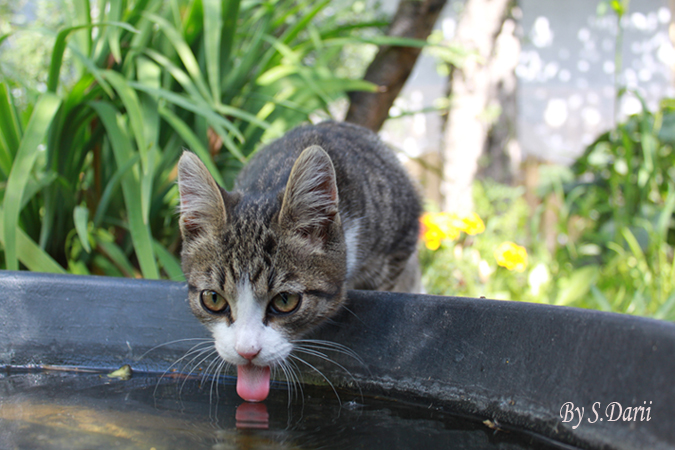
<point x="230" y="14"/>
<point x="81" y="219"/>
<point x="217" y="122"/>
<point x="35" y="186"/>
<point x="133" y="109"/>
<point x="212" y="32"/>
<point x="149" y="74"/>
<point x="137" y="122"/>
<point x="391" y="41"/>
<point x="29" y="253"/>
<point x="578" y="285"/>
<point x="667" y="310"/>
<point x="185" y="53"/>
<point x="135" y="16"/>
<point x="89" y="64"/>
<point x="115" y="254"/>
<point x="276" y="73"/>
<point x="635" y="247"/>
<point x="113" y="33"/>
<point x="237" y="76"/>
<point x="145" y="26"/>
<point x="131" y="189"/>
<point x="60" y="47"/>
<point x="192" y="142"/>
<point x="42" y="117"/>
<point x="241" y="114"/>
<point x="302" y="24"/>
<point x="190" y="105"/>
<point x="666" y="215"/>
<point x="228" y="142"/>
<point x="83" y="17"/>
<point x="169" y="263"/>
<point x="110" y="188"/>
<point x="303" y="72"/>
<point x="601" y="300"/>
<point x="10" y="129"/>
<point x="177" y="73"/>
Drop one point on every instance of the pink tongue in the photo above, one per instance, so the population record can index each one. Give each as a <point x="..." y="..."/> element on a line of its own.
<point x="253" y="382"/>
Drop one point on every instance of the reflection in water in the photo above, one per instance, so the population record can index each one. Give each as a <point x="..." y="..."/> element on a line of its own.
<point x="47" y="410"/>
<point x="252" y="415"/>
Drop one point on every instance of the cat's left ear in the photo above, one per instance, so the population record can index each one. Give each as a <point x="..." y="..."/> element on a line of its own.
<point x="310" y="205"/>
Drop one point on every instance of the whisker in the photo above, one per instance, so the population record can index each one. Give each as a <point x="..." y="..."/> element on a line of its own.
<point x="291" y="382"/>
<point x="208" y="355"/>
<point x="215" y="380"/>
<point x="214" y="377"/>
<point x="318" y="354"/>
<point x="320" y="373"/>
<point x="297" y="374"/>
<point x="172" y="342"/>
<point x="194" y="349"/>
<point x="353" y="314"/>
<point x="323" y="356"/>
<point x="316" y="347"/>
<point x="207" y="372"/>
<point x="333" y="346"/>
<point x="196" y="354"/>
<point x="190" y="352"/>
<point x="219" y="368"/>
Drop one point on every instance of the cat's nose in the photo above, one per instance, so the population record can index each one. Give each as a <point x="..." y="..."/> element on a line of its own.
<point x="249" y="355"/>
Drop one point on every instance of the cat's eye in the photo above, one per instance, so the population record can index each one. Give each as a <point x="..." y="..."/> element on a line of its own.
<point x="285" y="303"/>
<point x="213" y="302"/>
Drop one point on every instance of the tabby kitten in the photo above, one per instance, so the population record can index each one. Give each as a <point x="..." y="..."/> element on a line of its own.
<point x="324" y="209"/>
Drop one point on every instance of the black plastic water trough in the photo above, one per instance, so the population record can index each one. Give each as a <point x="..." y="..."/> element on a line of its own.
<point x="522" y="365"/>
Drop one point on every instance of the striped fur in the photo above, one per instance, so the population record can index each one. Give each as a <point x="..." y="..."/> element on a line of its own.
<point x="324" y="209"/>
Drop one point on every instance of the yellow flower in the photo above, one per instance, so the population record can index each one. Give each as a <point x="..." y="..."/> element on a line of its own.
<point x="472" y="224"/>
<point x="437" y="227"/>
<point x="449" y="224"/>
<point x="511" y="256"/>
<point x="432" y="235"/>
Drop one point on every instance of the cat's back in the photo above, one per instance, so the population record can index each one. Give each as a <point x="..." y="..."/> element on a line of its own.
<point x="379" y="204"/>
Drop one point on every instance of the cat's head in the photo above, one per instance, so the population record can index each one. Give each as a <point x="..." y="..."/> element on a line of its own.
<point x="262" y="269"/>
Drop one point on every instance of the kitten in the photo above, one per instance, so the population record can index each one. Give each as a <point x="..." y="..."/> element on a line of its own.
<point x="324" y="209"/>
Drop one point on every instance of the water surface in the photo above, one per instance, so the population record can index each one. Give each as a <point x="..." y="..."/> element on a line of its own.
<point x="73" y="411"/>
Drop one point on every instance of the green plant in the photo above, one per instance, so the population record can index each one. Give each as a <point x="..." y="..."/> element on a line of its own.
<point x="87" y="168"/>
<point x="572" y="257"/>
<point x="625" y="191"/>
<point x="469" y="265"/>
<point x="603" y="236"/>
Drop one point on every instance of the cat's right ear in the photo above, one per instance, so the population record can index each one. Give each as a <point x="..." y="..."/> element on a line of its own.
<point x="310" y="203"/>
<point x="201" y="201"/>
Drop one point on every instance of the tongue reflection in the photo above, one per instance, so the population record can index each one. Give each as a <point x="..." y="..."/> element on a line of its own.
<point x="253" y="382"/>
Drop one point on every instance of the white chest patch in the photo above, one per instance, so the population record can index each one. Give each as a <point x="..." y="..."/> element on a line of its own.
<point x="248" y="338"/>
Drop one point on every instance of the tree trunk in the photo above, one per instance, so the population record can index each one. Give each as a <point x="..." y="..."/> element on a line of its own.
<point x="471" y="89"/>
<point x="502" y="154"/>
<point x="392" y="65"/>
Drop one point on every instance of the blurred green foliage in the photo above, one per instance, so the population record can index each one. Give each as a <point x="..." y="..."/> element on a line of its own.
<point x="88" y="149"/>
<point x="602" y="237"/>
<point x="623" y="201"/>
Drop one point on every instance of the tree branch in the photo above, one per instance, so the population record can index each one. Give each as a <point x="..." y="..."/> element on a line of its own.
<point x="392" y="65"/>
